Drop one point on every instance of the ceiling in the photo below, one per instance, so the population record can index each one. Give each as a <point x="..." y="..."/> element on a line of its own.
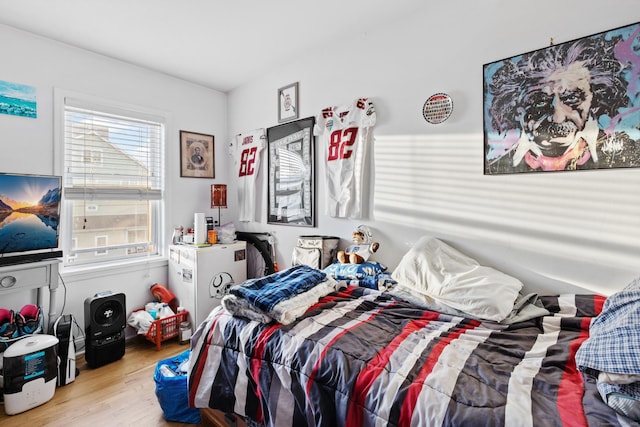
<point x="215" y="43"/>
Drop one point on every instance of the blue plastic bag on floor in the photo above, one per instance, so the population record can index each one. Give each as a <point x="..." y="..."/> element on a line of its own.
<point x="172" y="391"/>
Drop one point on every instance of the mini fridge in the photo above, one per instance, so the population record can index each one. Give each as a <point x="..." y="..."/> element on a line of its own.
<point x="200" y="276"/>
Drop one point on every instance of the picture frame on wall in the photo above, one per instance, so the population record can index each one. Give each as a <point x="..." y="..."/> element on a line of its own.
<point x="197" y="155"/>
<point x="569" y="106"/>
<point x="17" y="99"/>
<point x="288" y="103"/>
<point x="291" y="176"/>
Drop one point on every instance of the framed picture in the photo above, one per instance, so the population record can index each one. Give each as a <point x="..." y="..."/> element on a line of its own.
<point x="291" y="189"/>
<point x="18" y="100"/>
<point x="288" y="103"/>
<point x="196" y="155"/>
<point x="569" y="106"/>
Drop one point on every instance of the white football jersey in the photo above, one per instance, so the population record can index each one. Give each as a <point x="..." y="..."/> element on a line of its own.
<point x="345" y="132"/>
<point x="246" y="150"/>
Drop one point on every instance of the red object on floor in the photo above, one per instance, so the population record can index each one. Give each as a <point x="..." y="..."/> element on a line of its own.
<point x="162" y="294"/>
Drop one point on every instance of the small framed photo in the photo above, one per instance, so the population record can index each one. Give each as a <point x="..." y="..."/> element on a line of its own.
<point x="288" y="103"/>
<point x="196" y="155"/>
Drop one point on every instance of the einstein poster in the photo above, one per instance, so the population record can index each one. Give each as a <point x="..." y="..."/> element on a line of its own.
<point x="569" y="106"/>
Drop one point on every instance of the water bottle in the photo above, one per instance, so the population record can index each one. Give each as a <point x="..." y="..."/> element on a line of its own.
<point x="176" y="239"/>
<point x="167" y="371"/>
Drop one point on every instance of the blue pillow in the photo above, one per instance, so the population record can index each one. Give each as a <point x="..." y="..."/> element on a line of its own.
<point x="354" y="271"/>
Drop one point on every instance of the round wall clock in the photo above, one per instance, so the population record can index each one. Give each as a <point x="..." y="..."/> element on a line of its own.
<point x="437" y="108"/>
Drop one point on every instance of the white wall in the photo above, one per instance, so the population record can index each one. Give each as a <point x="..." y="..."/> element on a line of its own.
<point x="553" y="231"/>
<point x="27" y="144"/>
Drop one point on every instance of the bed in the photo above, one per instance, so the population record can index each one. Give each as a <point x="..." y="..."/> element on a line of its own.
<point x="361" y="356"/>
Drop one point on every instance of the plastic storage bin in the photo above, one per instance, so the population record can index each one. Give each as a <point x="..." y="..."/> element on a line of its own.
<point x="166" y="328"/>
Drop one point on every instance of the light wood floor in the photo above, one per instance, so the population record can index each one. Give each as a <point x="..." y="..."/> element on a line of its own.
<point x="121" y="393"/>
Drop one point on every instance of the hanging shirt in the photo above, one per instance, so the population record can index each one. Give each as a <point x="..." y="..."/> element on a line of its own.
<point x="345" y="133"/>
<point x="246" y="151"/>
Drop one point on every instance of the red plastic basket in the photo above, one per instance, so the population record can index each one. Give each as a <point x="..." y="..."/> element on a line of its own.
<point x="165" y="328"/>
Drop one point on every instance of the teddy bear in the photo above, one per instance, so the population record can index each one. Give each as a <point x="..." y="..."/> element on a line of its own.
<point x="361" y="248"/>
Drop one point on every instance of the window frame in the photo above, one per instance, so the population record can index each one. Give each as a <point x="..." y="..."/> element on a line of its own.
<point x="157" y="216"/>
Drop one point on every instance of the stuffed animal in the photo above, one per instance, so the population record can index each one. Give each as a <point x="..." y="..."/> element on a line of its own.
<point x="361" y="248"/>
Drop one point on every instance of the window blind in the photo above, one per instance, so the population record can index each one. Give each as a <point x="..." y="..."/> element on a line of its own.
<point x="108" y="155"/>
<point x="113" y="181"/>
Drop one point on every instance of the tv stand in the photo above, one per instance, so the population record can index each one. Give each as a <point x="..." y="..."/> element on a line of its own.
<point x="35" y="275"/>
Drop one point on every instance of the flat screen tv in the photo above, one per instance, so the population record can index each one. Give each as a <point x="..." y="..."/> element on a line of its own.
<point x="29" y="217"/>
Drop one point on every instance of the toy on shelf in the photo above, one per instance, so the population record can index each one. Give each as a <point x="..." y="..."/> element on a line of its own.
<point x="361" y="248"/>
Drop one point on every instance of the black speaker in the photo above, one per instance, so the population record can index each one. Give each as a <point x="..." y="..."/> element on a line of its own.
<point x="104" y="323"/>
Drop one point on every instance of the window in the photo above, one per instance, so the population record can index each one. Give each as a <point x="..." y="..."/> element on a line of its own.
<point x="113" y="183"/>
<point x="102" y="244"/>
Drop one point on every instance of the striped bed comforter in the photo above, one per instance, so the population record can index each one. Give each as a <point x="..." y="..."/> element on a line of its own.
<point x="360" y="357"/>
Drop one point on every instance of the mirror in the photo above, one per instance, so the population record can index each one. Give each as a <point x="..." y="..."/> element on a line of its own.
<point x="291" y="173"/>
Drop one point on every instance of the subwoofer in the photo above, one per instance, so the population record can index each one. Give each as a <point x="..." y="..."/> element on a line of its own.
<point x="104" y="323"/>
